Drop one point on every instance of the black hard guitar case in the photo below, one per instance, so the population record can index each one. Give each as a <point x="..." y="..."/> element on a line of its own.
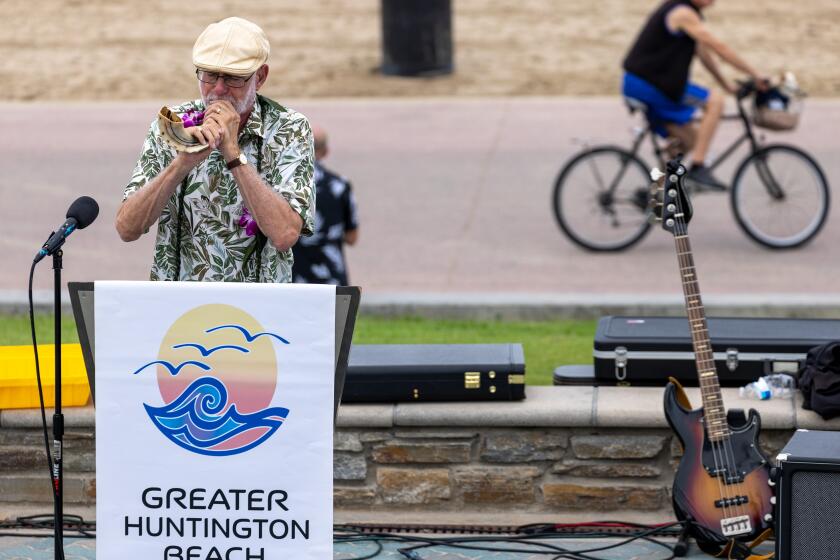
<point x="647" y="350"/>
<point x="435" y="372"/>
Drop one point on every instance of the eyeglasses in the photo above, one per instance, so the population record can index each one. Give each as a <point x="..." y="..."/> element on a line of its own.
<point x="230" y="81"/>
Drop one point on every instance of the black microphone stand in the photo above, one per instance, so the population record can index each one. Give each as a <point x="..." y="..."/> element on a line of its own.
<point x="58" y="417"/>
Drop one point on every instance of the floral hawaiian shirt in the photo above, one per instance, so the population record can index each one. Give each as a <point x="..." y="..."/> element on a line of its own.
<point x="213" y="238"/>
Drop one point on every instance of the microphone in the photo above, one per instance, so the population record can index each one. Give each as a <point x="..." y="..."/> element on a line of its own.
<point x="80" y="215"/>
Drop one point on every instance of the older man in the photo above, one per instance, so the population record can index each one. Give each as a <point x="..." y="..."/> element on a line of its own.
<point x="232" y="211"/>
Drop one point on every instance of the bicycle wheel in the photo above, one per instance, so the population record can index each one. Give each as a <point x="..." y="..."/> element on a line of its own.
<point x="780" y="197"/>
<point x="601" y="199"/>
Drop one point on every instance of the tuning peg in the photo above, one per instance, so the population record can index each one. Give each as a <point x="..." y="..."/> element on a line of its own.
<point x="656" y="174"/>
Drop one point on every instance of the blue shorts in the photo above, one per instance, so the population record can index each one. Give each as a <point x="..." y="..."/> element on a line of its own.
<point x="661" y="109"/>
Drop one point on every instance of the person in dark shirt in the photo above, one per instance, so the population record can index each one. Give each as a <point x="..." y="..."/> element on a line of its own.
<point x="319" y="259"/>
<point x="657" y="74"/>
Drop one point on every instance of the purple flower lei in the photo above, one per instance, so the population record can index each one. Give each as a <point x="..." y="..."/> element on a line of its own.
<point x="192" y="118"/>
<point x="248" y="222"/>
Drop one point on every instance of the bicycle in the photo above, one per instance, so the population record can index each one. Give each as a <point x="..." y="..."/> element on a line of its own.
<point x="779" y="194"/>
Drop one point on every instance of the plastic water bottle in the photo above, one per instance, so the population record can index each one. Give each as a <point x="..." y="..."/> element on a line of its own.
<point x="758" y="389"/>
<point x="778" y="385"/>
<point x="781" y="385"/>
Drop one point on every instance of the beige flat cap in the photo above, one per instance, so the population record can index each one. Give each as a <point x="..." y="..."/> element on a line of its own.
<point x="233" y="46"/>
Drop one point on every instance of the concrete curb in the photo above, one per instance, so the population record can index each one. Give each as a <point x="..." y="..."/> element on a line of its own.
<point x="537" y="306"/>
<point x="544" y="407"/>
<point x="543" y="306"/>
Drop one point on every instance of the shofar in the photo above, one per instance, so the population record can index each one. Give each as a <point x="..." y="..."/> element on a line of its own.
<point x="173" y="132"/>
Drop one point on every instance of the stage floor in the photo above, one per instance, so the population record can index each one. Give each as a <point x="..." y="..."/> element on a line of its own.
<point x="18" y="548"/>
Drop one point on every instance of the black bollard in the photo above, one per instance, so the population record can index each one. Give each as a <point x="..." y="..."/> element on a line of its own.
<point x="416" y="37"/>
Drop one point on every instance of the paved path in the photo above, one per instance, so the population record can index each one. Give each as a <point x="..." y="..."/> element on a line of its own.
<point x="454" y="198"/>
<point x="13" y="548"/>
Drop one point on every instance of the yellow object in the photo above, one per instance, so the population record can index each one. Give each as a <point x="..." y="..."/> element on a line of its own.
<point x="19" y="386"/>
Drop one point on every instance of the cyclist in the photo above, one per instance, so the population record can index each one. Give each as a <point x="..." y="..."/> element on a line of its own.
<point x="657" y="74"/>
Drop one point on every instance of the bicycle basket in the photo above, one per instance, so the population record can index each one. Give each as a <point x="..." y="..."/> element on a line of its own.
<point x="775" y="110"/>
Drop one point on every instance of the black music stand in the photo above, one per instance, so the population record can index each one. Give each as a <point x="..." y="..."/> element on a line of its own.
<point x="346" y="308"/>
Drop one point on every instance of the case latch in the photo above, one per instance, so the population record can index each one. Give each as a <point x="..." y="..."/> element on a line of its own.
<point x="472" y="380"/>
<point x="731" y="359"/>
<point x="621" y="363"/>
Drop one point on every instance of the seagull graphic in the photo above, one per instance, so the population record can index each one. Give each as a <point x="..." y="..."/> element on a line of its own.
<point x="248" y="336"/>
<point x="174" y="370"/>
<point x="207" y="351"/>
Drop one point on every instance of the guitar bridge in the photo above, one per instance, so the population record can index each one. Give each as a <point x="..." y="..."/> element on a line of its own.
<point x="736" y="526"/>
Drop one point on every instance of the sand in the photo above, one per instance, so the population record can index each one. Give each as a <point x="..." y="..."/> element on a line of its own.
<point x="83" y="50"/>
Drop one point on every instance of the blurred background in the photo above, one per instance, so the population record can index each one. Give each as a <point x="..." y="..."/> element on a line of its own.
<point x="74" y="50"/>
<point x="453" y="173"/>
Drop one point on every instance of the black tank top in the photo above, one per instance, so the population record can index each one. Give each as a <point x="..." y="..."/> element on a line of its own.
<point x="660" y="57"/>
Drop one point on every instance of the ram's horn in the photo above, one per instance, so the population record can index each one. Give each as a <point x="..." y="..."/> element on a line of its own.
<point x="172" y="132"/>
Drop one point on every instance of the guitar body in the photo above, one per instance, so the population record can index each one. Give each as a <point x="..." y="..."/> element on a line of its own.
<point x="735" y="469"/>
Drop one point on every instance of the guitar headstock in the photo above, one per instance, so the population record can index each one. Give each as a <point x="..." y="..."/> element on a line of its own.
<point x="671" y="204"/>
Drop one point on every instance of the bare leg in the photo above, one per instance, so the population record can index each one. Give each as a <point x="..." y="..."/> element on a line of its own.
<point x="681" y="138"/>
<point x="708" y="125"/>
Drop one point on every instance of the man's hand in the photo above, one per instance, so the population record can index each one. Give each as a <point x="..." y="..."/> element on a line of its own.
<point x="762" y="83"/>
<point x="190" y="160"/>
<point x="222" y="121"/>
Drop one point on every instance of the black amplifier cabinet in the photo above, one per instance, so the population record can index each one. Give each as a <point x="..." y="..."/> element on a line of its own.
<point x="434" y="372"/>
<point x="808" y="497"/>
<point x="647" y="350"/>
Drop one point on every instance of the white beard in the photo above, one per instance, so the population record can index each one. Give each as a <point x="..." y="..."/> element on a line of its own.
<point x="243" y="106"/>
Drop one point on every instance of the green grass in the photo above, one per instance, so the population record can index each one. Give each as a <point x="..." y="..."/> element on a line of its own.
<point x="15" y="330"/>
<point x="547" y="344"/>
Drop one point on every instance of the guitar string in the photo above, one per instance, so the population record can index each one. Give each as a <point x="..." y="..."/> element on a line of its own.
<point x="739" y="486"/>
<point x="723" y="446"/>
<point x="717" y="456"/>
<point x="685" y="262"/>
<point x="696" y="315"/>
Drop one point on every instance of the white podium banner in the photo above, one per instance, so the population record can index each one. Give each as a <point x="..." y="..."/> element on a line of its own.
<point x="214" y="420"/>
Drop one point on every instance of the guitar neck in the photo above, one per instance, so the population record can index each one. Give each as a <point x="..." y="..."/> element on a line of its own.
<point x="714" y="411"/>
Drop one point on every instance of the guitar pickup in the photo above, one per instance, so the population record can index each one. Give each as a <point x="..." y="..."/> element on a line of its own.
<point x="723" y="474"/>
<point x="733" y="479"/>
<point x="729" y="502"/>
<point x="716" y="471"/>
<point x="736" y="526"/>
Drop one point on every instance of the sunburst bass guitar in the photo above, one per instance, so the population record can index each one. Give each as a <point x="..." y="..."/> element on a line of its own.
<point x="721" y="487"/>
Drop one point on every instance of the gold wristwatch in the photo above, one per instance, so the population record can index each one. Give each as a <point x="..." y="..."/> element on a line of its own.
<point x="241" y="160"/>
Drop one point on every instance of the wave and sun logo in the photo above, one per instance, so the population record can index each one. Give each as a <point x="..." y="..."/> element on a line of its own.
<point x="217" y="372"/>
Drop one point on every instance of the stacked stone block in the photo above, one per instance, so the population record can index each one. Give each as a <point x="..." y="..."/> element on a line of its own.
<point x="523" y="470"/>
<point x="420" y="469"/>
<point x="24" y="472"/>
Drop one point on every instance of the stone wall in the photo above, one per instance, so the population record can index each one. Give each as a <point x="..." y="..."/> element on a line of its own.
<point x="520" y="470"/>
<point x="429" y="469"/>
<point x="24" y="473"/>
<point x="567" y="450"/>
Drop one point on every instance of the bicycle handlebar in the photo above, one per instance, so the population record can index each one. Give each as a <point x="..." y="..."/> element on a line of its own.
<point x="749" y="87"/>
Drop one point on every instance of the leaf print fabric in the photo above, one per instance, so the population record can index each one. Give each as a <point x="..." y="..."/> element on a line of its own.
<point x="213" y="245"/>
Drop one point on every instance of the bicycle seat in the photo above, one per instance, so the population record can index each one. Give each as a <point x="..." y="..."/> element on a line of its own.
<point x="634" y="105"/>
